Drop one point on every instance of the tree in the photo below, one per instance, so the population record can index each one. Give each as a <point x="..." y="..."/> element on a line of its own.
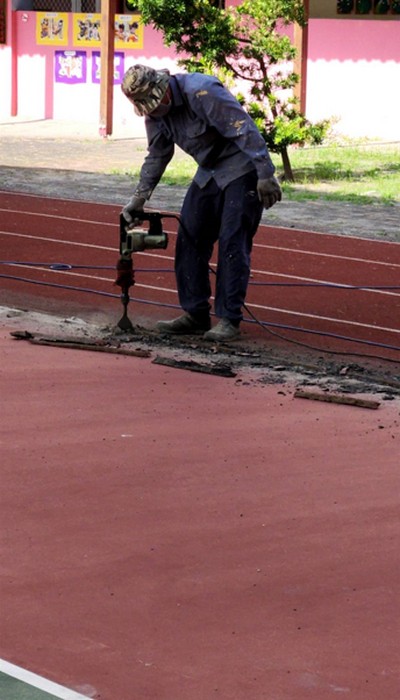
<point x="249" y="43"/>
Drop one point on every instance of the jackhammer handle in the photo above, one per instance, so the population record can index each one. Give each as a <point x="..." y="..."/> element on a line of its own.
<point x="142" y="215"/>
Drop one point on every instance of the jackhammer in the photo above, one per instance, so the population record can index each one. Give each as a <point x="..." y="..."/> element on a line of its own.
<point x="135" y="240"/>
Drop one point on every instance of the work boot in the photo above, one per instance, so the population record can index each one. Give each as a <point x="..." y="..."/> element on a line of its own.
<point x="185" y="325"/>
<point x="224" y="331"/>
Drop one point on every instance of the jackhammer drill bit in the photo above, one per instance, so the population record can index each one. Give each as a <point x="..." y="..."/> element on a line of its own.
<point x="125" y="279"/>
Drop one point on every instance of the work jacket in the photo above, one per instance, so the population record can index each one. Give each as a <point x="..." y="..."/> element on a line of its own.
<point x="207" y="122"/>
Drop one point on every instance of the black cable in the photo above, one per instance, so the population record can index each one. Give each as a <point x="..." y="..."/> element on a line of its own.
<point x="266" y="326"/>
<point x="66" y="267"/>
<point x="290" y="340"/>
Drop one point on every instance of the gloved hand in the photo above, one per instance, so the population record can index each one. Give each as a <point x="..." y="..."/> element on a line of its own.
<point x="136" y="203"/>
<point x="269" y="191"/>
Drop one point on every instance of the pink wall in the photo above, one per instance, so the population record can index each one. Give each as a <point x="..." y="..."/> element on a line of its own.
<point x="355" y="40"/>
<point x="41" y="97"/>
<point x="353" y="76"/>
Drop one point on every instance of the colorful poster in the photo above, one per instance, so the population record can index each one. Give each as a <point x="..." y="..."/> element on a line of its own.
<point x="70" y="67"/>
<point x="52" y="28"/>
<point x="128" y="31"/>
<point x="86" y="30"/>
<point x="118" y="67"/>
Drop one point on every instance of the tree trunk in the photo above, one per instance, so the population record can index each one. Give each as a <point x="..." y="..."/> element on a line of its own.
<point x="287" y="168"/>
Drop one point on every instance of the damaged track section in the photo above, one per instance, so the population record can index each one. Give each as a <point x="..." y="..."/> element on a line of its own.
<point x="221" y="370"/>
<point x="249" y="360"/>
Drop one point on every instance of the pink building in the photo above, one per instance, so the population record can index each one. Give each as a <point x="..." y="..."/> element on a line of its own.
<point x="50" y="60"/>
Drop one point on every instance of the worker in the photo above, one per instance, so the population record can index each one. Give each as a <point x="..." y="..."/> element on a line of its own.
<point x="233" y="182"/>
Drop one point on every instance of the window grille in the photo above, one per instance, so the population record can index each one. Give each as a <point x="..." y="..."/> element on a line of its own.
<point x="87" y="6"/>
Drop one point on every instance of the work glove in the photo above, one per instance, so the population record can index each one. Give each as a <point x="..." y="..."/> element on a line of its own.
<point x="269" y="191"/>
<point x="136" y="203"/>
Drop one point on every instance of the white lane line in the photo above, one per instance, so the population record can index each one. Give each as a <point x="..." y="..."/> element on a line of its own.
<point x="324" y="318"/>
<point x="343" y="258"/>
<point x="367" y="261"/>
<point x="315" y="280"/>
<point x="263" y="225"/>
<point x="39" y="682"/>
<point x="62" y="217"/>
<point x="88" y="278"/>
<point x="259" y="272"/>
<point x="254" y="306"/>
<point x="80" y="244"/>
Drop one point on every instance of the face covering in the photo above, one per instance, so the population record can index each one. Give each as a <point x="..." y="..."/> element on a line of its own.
<point x="161" y="111"/>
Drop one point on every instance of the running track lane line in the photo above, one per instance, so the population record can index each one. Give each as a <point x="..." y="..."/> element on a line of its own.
<point x="38" y="682"/>
<point x="298" y="278"/>
<point x="82" y="244"/>
<point x="261" y="246"/>
<point x="289" y="312"/>
<point x="259" y="306"/>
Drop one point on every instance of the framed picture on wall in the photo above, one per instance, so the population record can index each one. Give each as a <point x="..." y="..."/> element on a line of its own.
<point x="118" y="67"/>
<point x="128" y="31"/>
<point x="70" y="67"/>
<point x="86" y="29"/>
<point x="52" y="28"/>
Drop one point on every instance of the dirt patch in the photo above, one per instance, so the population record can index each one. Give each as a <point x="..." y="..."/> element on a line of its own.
<point x="247" y="362"/>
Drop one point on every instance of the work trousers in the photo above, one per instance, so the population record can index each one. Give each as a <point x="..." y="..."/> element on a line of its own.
<point x="231" y="217"/>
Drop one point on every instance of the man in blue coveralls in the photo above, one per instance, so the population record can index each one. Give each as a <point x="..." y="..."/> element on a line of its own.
<point x="233" y="182"/>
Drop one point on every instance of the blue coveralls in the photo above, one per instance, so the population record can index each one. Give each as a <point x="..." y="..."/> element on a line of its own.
<point x="208" y="123"/>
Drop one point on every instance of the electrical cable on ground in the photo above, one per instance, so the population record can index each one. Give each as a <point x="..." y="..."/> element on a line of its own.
<point x="66" y="267"/>
<point x="266" y="326"/>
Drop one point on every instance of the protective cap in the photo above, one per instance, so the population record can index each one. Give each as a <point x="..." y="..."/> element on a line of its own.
<point x="145" y="87"/>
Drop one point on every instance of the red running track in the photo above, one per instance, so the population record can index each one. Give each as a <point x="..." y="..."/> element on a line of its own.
<point x="289" y="270"/>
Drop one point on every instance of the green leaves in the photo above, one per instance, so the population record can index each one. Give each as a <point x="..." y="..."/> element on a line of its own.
<point x="196" y="27"/>
<point x="247" y="42"/>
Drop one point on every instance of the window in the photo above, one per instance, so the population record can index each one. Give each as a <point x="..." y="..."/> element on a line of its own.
<point x="86" y="6"/>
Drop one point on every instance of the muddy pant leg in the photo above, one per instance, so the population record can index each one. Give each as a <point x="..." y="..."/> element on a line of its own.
<point x="197" y="234"/>
<point x="241" y="215"/>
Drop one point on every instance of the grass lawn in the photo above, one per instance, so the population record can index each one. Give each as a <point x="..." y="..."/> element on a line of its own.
<point x="359" y="173"/>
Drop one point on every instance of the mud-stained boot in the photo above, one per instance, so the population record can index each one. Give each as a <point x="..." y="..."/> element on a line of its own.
<point x="223" y="332"/>
<point x="184" y="325"/>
